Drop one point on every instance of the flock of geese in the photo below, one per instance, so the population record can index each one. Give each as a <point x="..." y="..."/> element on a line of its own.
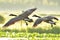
<point x="24" y="16"/>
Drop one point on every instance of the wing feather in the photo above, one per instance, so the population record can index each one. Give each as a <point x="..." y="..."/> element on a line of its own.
<point x="38" y="21"/>
<point x="12" y="21"/>
<point x="20" y="17"/>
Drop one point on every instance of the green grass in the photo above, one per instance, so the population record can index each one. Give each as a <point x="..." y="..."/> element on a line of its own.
<point x="54" y="30"/>
<point x="33" y="33"/>
<point x="30" y="35"/>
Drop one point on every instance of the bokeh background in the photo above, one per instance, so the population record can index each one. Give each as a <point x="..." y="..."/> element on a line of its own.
<point x="44" y="7"/>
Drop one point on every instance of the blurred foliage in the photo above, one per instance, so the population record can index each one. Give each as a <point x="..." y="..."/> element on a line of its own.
<point x="54" y="30"/>
<point x="50" y="14"/>
<point x="2" y="19"/>
<point x="32" y="33"/>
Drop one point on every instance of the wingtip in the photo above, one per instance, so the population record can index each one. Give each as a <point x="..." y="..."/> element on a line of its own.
<point x="57" y="19"/>
<point x="34" y="25"/>
<point x="4" y="26"/>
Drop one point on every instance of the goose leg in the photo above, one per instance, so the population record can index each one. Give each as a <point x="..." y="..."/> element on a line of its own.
<point x="51" y="25"/>
<point x="26" y="23"/>
<point x="51" y="22"/>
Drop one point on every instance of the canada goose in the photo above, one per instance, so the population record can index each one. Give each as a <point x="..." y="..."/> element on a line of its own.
<point x="26" y="20"/>
<point x="47" y="19"/>
<point x="22" y="16"/>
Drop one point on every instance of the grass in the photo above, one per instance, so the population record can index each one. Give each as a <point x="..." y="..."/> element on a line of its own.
<point x="55" y="30"/>
<point x="33" y="34"/>
<point x="30" y="35"/>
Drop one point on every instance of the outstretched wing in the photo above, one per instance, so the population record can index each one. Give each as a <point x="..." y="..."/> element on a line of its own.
<point x="20" y="17"/>
<point x="38" y="21"/>
<point x="12" y="21"/>
<point x="28" y="12"/>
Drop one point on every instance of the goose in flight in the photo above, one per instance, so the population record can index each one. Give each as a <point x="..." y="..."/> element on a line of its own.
<point x="47" y="19"/>
<point x="22" y="16"/>
<point x="26" y="20"/>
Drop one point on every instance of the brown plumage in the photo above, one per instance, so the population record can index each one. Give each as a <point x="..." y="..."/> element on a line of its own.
<point x="47" y="19"/>
<point x="23" y="16"/>
<point x="26" y="20"/>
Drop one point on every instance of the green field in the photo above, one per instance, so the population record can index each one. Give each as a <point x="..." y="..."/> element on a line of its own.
<point x="32" y="33"/>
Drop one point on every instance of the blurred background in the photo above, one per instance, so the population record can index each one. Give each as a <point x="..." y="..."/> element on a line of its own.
<point x="44" y="8"/>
